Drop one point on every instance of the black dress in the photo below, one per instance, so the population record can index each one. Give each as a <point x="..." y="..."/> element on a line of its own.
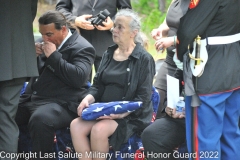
<point x="114" y="79"/>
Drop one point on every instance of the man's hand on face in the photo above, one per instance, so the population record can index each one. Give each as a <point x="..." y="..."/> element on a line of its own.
<point x="48" y="48"/>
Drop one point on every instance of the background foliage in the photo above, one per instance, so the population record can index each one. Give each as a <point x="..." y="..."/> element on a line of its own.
<point x="152" y="17"/>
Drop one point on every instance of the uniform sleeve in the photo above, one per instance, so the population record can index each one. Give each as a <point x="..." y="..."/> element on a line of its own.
<point x="194" y="23"/>
<point x="124" y="4"/>
<point x="65" y="7"/>
<point x="74" y="72"/>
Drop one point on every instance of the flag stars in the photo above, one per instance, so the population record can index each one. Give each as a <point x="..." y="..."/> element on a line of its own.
<point x="117" y="106"/>
<point x="85" y="110"/>
<point x="98" y="109"/>
<point x="139" y="103"/>
<point x="129" y="147"/>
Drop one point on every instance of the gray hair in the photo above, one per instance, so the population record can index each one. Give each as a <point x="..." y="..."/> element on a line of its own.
<point x="135" y="23"/>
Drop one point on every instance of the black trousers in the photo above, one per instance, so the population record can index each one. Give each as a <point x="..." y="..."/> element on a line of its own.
<point x="9" y="98"/>
<point x="43" y="119"/>
<point x="162" y="137"/>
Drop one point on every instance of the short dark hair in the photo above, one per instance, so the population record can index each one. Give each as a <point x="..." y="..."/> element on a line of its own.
<point x="55" y="17"/>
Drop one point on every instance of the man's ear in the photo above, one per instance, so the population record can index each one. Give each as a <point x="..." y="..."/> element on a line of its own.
<point x="64" y="30"/>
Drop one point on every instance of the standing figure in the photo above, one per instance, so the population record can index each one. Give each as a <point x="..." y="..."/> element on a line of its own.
<point x="17" y="62"/>
<point x="165" y="37"/>
<point x="213" y="97"/>
<point x="78" y="12"/>
<point x="167" y="132"/>
<point x="125" y="74"/>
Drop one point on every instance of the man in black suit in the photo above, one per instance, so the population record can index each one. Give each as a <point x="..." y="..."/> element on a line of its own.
<point x="99" y="36"/>
<point x="17" y="62"/>
<point x="50" y="101"/>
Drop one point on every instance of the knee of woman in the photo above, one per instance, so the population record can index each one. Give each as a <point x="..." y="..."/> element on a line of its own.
<point x="74" y="124"/>
<point x="97" y="131"/>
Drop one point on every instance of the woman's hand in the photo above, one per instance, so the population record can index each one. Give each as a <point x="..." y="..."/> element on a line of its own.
<point x="85" y="103"/>
<point x="172" y="113"/>
<point x="156" y="33"/>
<point x="161" y="31"/>
<point x="114" y="116"/>
<point x="82" y="105"/>
<point x="164" y="43"/>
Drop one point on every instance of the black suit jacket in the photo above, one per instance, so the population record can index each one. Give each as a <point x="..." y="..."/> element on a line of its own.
<point x="101" y="40"/>
<point x="17" y="51"/>
<point x="63" y="75"/>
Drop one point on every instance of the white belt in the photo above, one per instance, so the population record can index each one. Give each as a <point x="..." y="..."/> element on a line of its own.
<point x="223" y="39"/>
<point x="197" y="70"/>
<point x="218" y="40"/>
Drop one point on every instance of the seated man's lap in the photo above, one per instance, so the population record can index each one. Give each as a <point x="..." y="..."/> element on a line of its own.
<point x="165" y="133"/>
<point x="48" y="113"/>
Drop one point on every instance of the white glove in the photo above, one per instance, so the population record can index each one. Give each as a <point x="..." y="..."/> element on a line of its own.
<point x="178" y="63"/>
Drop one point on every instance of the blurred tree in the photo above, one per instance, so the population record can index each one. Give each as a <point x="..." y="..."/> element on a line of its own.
<point x="152" y="17"/>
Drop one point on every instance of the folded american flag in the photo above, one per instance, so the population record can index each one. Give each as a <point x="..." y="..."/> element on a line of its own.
<point x="96" y="110"/>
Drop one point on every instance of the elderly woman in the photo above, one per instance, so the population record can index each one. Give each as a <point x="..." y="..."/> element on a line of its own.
<point x="126" y="73"/>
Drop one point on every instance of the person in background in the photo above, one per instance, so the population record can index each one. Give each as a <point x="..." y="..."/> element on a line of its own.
<point x="78" y="12"/>
<point x="168" y="131"/>
<point x="50" y="101"/>
<point x="119" y="78"/>
<point x="213" y="98"/>
<point x="165" y="36"/>
<point x="162" y="5"/>
<point x="17" y="62"/>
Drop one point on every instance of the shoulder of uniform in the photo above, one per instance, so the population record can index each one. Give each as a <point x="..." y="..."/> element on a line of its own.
<point x="193" y="3"/>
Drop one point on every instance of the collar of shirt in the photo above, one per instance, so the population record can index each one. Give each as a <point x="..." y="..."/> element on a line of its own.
<point x="135" y="53"/>
<point x="65" y="39"/>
